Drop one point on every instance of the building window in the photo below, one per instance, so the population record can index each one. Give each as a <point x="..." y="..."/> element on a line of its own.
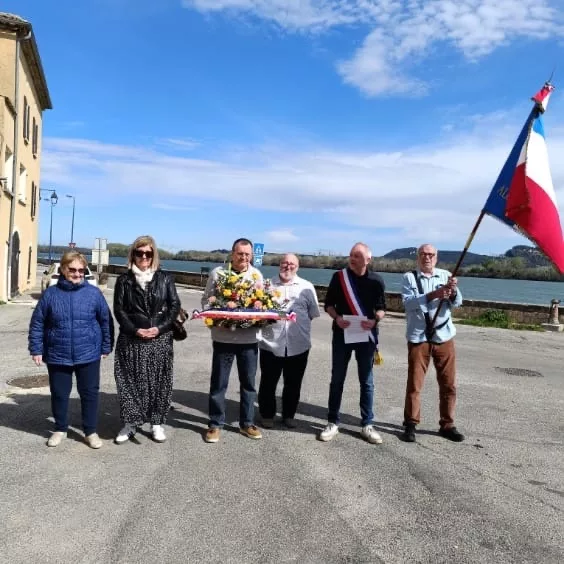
<point x="26" y="116"/>
<point x="8" y="169"/>
<point x="22" y="184"/>
<point x="33" y="206"/>
<point x="35" y="138"/>
<point x="29" y="254"/>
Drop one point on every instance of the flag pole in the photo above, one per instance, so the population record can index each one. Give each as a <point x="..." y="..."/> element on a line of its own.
<point x="468" y="243"/>
<point x="461" y="258"/>
<point x="540" y="99"/>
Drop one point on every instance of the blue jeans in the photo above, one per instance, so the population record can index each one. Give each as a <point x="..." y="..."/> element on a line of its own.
<point x="341" y="353"/>
<point x="222" y="360"/>
<point x="88" y="386"/>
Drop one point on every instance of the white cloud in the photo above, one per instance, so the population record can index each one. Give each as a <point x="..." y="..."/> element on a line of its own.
<point x="290" y="14"/>
<point x="404" y="33"/>
<point x="281" y="236"/>
<point x="173" y="207"/>
<point x="431" y="192"/>
<point x="178" y="144"/>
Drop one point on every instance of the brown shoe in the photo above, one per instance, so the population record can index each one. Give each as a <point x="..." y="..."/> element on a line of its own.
<point x="251" y="431"/>
<point x="212" y="435"/>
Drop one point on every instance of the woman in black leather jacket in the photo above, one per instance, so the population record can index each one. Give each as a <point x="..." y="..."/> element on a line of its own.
<point x="145" y="306"/>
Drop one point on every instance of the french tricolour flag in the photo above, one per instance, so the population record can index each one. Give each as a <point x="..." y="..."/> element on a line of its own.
<point x="524" y="192"/>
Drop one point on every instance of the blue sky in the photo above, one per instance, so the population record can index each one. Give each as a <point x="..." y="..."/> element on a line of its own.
<point x="306" y="125"/>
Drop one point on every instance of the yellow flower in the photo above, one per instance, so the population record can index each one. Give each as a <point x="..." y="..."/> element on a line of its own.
<point x="259" y="294"/>
<point x="232" y="279"/>
<point x="248" y="302"/>
<point x="277" y="293"/>
<point x="254" y="276"/>
<point x="208" y="321"/>
<point x="227" y="293"/>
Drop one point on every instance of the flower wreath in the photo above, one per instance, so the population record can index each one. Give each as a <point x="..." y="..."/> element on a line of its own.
<point x="238" y="302"/>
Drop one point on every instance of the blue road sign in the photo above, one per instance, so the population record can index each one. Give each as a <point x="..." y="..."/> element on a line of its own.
<point x="258" y="252"/>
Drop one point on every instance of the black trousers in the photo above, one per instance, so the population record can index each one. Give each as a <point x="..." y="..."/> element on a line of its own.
<point x="271" y="368"/>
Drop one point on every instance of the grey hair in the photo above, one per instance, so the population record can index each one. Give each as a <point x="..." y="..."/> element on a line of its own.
<point x="365" y="247"/>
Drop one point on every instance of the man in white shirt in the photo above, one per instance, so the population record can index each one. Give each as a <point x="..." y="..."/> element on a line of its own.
<point x="284" y="347"/>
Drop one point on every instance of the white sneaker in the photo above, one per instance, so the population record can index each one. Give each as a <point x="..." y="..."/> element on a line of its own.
<point x="329" y="433"/>
<point x="93" y="441"/>
<point x="158" y="433"/>
<point x="126" y="433"/>
<point x="56" y="438"/>
<point x="371" y="435"/>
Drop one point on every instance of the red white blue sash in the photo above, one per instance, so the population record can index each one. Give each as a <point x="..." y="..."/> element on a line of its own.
<point x="350" y="292"/>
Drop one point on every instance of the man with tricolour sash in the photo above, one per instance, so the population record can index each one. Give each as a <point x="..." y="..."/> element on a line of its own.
<point x="356" y="302"/>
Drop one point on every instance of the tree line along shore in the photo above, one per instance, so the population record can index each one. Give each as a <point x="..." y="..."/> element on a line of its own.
<point x="505" y="267"/>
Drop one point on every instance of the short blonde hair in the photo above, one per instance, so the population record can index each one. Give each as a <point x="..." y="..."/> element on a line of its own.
<point x="143" y="241"/>
<point x="71" y="256"/>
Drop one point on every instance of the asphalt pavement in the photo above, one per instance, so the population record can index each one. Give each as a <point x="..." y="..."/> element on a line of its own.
<point x="498" y="497"/>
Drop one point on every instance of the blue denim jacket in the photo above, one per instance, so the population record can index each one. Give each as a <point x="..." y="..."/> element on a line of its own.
<point x="416" y="305"/>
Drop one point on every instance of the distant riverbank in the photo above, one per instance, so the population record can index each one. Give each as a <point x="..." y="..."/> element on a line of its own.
<point x="538" y="274"/>
<point x="513" y="291"/>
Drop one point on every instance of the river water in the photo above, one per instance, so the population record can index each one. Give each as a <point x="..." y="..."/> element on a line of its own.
<point x="513" y="291"/>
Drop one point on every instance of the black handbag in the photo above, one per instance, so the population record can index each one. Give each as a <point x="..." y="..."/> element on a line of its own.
<point x="178" y="331"/>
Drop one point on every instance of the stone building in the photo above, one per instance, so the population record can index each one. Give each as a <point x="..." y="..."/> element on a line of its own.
<point x="24" y="97"/>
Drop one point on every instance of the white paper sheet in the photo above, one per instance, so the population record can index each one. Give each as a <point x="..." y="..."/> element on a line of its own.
<point x="354" y="333"/>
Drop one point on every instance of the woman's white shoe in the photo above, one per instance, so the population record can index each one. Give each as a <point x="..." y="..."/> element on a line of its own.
<point x="158" y="434"/>
<point x="126" y="433"/>
<point x="56" y="438"/>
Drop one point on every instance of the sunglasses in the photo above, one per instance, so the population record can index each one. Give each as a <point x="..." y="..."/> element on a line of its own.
<point x="141" y="254"/>
<point x="76" y="270"/>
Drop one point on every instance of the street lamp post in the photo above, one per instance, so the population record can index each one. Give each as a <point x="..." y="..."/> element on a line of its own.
<point x="71" y="244"/>
<point x="53" y="199"/>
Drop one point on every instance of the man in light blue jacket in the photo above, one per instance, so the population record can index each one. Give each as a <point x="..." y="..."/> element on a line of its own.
<point x="425" y="290"/>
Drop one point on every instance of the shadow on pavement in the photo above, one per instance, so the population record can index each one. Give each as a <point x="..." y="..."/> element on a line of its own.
<point x="31" y="413"/>
<point x="198" y="401"/>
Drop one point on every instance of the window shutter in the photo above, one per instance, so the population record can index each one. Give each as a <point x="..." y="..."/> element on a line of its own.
<point x="34" y="139"/>
<point x="25" y="120"/>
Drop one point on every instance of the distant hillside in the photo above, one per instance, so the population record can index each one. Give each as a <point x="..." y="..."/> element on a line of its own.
<point x="531" y="255"/>
<point x="448" y="257"/>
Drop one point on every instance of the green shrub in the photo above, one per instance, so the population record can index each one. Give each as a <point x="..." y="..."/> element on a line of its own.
<point x="495" y="317"/>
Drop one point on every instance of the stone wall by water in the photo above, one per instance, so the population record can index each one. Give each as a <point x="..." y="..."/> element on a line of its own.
<point x="517" y="313"/>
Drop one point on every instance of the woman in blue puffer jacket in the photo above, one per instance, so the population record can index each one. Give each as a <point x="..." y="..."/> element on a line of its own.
<point x="71" y="329"/>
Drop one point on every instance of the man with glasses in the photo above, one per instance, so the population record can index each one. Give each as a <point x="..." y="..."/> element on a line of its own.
<point x="284" y="347"/>
<point x="240" y="344"/>
<point x="426" y="290"/>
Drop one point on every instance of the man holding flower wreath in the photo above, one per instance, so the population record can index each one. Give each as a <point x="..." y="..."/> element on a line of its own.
<point x="238" y="284"/>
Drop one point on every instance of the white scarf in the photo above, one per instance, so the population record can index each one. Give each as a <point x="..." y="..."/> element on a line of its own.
<point x="142" y="277"/>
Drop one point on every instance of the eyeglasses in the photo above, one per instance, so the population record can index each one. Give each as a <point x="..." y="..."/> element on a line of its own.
<point x="430" y="255"/>
<point x="141" y="254"/>
<point x="76" y="270"/>
<point x="289" y="265"/>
